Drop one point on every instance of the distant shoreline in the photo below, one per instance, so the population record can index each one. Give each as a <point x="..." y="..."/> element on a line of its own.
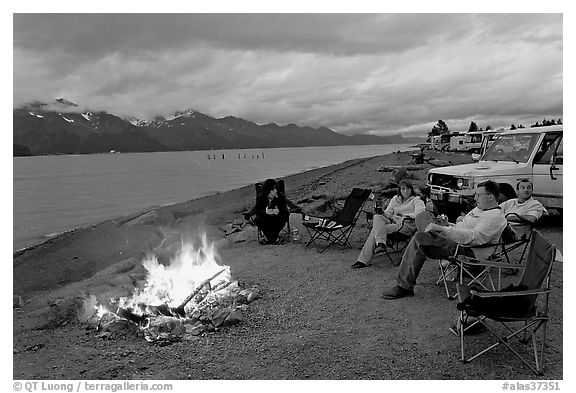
<point x="416" y="145"/>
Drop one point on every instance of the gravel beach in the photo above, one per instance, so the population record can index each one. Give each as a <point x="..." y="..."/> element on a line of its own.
<point x="316" y="318"/>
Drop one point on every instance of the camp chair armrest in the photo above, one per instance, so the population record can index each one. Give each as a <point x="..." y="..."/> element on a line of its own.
<point x="479" y="246"/>
<point x="307" y="217"/>
<point x="469" y="261"/>
<point x="527" y="292"/>
<point x="522" y="220"/>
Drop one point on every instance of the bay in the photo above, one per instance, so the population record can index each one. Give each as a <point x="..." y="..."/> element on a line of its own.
<point x="53" y="194"/>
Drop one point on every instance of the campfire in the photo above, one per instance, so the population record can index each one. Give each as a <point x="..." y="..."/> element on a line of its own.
<point x="192" y="295"/>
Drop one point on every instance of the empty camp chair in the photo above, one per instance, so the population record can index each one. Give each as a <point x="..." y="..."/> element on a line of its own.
<point x="337" y="228"/>
<point x="522" y="310"/>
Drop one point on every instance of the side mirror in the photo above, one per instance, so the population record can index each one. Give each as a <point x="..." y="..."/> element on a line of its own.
<point x="475" y="157"/>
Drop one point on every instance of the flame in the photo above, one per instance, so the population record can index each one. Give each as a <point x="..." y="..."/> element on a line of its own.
<point x="171" y="284"/>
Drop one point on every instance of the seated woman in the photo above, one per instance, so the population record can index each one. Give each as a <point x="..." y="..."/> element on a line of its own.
<point x="271" y="211"/>
<point x="405" y="204"/>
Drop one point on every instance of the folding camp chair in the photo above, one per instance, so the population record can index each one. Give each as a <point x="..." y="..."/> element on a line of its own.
<point x="337" y="229"/>
<point x="525" y="304"/>
<point x="397" y="241"/>
<point x="469" y="269"/>
<point x="520" y="243"/>
<point x="292" y="208"/>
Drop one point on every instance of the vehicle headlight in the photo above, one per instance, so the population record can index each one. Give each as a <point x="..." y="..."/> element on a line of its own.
<point x="430" y="178"/>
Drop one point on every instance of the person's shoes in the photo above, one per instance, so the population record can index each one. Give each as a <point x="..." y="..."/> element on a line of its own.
<point x="280" y="240"/>
<point x="359" y="265"/>
<point x="397" y="292"/>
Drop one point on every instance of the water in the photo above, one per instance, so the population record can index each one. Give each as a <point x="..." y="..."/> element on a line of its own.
<point x="53" y="194"/>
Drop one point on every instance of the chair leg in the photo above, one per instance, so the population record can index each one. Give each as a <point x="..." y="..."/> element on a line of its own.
<point x="462" y="349"/>
<point x="445" y="272"/>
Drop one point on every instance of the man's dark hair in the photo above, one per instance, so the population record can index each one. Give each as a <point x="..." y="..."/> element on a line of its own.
<point x="524" y="181"/>
<point x="491" y="187"/>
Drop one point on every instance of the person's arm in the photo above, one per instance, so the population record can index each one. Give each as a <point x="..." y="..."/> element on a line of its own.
<point x="419" y="207"/>
<point x="530" y="213"/>
<point x="521" y="219"/>
<point x="488" y="227"/>
<point x="260" y="207"/>
<point x="389" y="212"/>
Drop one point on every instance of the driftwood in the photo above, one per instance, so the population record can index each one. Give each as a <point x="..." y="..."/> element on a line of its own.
<point x="197" y="290"/>
<point x="164" y="309"/>
<point x="390" y="168"/>
<point x="131" y="316"/>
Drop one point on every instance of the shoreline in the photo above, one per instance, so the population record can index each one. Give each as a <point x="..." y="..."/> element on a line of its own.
<point x="308" y="299"/>
<point x="41" y="239"/>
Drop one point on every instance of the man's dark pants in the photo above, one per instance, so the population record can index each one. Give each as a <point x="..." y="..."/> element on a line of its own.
<point x="422" y="246"/>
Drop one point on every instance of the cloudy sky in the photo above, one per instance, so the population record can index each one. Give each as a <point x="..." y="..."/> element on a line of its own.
<point x="353" y="73"/>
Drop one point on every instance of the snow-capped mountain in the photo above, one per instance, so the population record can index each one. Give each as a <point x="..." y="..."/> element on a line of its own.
<point x="61" y="127"/>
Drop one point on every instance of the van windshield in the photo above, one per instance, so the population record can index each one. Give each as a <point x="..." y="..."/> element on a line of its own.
<point x="512" y="147"/>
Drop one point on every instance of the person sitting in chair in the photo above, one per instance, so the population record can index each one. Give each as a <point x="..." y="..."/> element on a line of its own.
<point x="405" y="204"/>
<point x="524" y="210"/>
<point x="271" y="211"/>
<point x="482" y="225"/>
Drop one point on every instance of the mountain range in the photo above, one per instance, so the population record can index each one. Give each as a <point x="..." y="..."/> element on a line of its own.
<point x="61" y="128"/>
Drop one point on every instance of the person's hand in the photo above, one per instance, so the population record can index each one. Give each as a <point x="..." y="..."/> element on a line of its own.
<point x="460" y="218"/>
<point x="433" y="228"/>
<point x="268" y="211"/>
<point x="275" y="211"/>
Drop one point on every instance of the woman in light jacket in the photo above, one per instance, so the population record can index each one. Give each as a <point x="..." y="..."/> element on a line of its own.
<point x="405" y="204"/>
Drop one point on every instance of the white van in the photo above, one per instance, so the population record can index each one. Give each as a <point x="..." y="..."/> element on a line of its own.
<point x="535" y="154"/>
<point x="473" y="141"/>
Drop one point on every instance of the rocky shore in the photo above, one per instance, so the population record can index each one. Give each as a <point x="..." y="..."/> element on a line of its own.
<point x="316" y="318"/>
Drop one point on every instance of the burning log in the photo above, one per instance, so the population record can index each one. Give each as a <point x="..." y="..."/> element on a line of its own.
<point x="164" y="309"/>
<point x="131" y="316"/>
<point x="197" y="290"/>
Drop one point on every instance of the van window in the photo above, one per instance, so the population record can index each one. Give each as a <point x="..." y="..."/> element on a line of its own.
<point x="547" y="148"/>
<point x="560" y="154"/>
<point x="511" y="147"/>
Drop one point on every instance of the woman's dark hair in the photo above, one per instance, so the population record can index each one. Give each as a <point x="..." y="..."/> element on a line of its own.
<point x="268" y="186"/>
<point x="407" y="184"/>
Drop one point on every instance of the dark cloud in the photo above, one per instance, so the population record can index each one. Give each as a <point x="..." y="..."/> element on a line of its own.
<point x="353" y="73"/>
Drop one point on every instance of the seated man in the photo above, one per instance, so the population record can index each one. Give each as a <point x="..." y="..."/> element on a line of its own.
<point x="522" y="210"/>
<point x="483" y="225"/>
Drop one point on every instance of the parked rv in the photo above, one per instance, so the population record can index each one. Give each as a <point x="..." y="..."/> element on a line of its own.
<point x="457" y="143"/>
<point x="441" y="142"/>
<point x="535" y="154"/>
